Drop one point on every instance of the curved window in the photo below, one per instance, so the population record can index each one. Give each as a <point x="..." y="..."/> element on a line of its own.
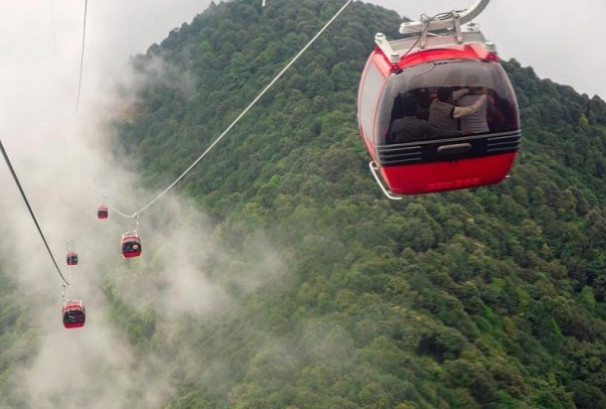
<point x="131" y="246"/>
<point x="446" y="99"/>
<point x="73" y="317"/>
<point x="369" y="95"/>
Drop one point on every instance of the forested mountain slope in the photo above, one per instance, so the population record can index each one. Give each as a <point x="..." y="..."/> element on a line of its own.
<point x="485" y="298"/>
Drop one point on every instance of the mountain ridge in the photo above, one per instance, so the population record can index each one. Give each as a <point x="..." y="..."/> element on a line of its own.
<point x="483" y="297"/>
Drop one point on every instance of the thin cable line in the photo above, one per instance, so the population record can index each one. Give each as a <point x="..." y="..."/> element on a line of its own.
<point x="439" y="16"/>
<point x="82" y="56"/>
<point x="113" y="209"/>
<point x="31" y="212"/>
<point x="244" y="112"/>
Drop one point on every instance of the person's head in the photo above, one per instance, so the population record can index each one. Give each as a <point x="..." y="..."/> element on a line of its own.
<point x="410" y="105"/>
<point x="423" y="98"/>
<point x="445" y="94"/>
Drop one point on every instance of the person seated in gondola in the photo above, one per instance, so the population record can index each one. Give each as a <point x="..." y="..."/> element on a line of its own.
<point x="477" y="121"/>
<point x="72" y="258"/>
<point x="409" y="127"/>
<point x="443" y="113"/>
<point x="423" y="98"/>
<point x="130" y="246"/>
<point x="73" y="317"/>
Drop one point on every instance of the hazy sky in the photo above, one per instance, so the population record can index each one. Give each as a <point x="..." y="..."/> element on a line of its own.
<point x="40" y="39"/>
<point x="40" y="43"/>
<point x="559" y="39"/>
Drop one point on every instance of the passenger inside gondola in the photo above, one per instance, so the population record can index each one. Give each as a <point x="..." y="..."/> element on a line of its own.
<point x="409" y="127"/>
<point x="444" y="112"/>
<point x="477" y="121"/>
<point x="423" y="98"/>
<point x="461" y="98"/>
<point x="131" y="247"/>
<point x="73" y="317"/>
<point x="72" y="258"/>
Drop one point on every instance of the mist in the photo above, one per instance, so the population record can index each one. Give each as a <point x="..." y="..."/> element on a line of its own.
<point x="61" y="153"/>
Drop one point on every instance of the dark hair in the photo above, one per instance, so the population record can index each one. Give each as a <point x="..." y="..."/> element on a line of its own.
<point x="410" y="105"/>
<point x="444" y="94"/>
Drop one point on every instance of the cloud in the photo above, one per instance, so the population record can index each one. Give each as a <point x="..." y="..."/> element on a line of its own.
<point x="65" y="167"/>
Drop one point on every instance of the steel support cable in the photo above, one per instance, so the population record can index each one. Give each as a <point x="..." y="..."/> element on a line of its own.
<point x="31" y="212"/>
<point x="113" y="209"/>
<point x="244" y="112"/>
<point x="425" y="29"/>
<point x="82" y="56"/>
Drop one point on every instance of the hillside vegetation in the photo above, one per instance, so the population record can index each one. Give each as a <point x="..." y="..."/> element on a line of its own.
<point x="486" y="298"/>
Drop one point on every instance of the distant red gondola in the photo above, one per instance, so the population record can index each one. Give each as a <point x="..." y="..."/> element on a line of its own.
<point x="73" y="313"/>
<point x="131" y="245"/>
<point x="102" y="212"/>
<point x="72" y="258"/>
<point x="438" y="68"/>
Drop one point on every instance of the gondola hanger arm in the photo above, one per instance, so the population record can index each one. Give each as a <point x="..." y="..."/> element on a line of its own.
<point x="473" y="12"/>
<point x="456" y="17"/>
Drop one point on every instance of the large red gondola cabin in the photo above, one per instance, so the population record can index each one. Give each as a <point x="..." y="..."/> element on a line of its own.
<point x="74" y="315"/>
<point x="415" y="151"/>
<point x="72" y="258"/>
<point x="131" y="245"/>
<point x="102" y="212"/>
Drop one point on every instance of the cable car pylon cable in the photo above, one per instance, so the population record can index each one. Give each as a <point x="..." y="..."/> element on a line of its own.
<point x="113" y="209"/>
<point x="82" y="56"/>
<point x="235" y="121"/>
<point x="31" y="212"/>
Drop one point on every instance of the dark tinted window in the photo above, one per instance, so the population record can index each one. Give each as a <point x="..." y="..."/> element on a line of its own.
<point x="73" y="316"/>
<point x="131" y="246"/>
<point x="412" y="93"/>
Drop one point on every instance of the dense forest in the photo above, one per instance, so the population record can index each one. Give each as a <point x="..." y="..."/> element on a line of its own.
<point x="487" y="298"/>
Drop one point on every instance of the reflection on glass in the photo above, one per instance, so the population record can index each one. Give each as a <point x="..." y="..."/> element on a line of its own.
<point x="446" y="99"/>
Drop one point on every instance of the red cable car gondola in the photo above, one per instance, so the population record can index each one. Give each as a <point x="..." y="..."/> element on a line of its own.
<point x="72" y="258"/>
<point x="131" y="245"/>
<point x="102" y="212"/>
<point x="436" y="110"/>
<point x="73" y="313"/>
